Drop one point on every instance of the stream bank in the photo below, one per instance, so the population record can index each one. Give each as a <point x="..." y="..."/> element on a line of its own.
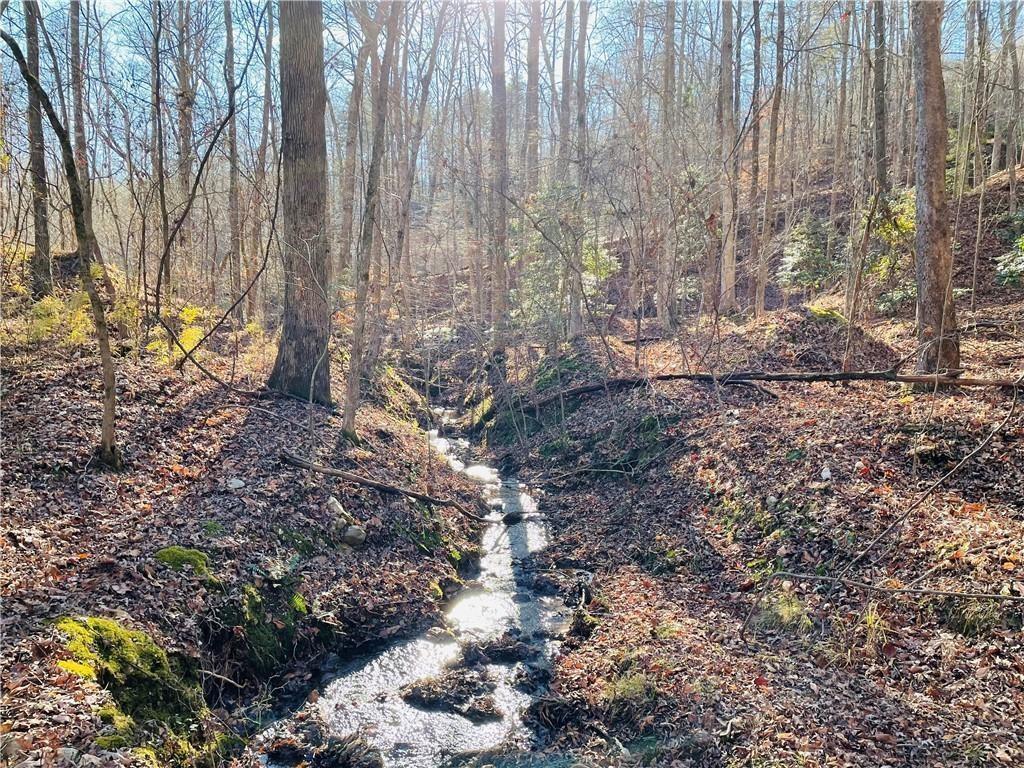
<point x="231" y="575"/>
<point x="460" y="689"/>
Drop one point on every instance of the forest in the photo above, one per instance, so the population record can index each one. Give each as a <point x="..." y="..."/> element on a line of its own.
<point x="533" y="384"/>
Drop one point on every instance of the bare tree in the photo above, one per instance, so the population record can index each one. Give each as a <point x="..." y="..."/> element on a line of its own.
<point x="936" y="318"/>
<point x="302" y="367"/>
<point x="235" y="244"/>
<point x="42" y="281"/>
<point x="361" y="266"/>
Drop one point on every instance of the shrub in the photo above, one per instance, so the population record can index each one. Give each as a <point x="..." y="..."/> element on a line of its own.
<point x="1010" y="266"/>
<point x="805" y="265"/>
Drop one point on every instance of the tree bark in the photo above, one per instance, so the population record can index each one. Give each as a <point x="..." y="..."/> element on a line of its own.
<point x="879" y="87"/>
<point x="533" y="99"/>
<point x="42" y="279"/>
<point x="566" y="95"/>
<point x="727" y="139"/>
<point x="302" y="367"/>
<point x="936" y="319"/>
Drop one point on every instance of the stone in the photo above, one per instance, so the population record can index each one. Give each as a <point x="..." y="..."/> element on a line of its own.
<point x="354" y="536"/>
<point x="335" y="508"/>
<point x="235" y="484"/>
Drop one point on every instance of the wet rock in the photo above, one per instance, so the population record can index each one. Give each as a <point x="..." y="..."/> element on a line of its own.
<point x="482" y="710"/>
<point x="544" y="585"/>
<point x="583" y="624"/>
<point x="532" y="679"/>
<point x="349" y="752"/>
<point x="466" y="692"/>
<point x="354" y="536"/>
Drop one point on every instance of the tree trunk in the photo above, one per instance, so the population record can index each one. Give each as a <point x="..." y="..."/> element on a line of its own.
<point x="499" y="162"/>
<point x="361" y="267"/>
<point x="42" y="280"/>
<point x="533" y="99"/>
<point x="260" y="182"/>
<point x="576" y="268"/>
<point x="936" y="319"/>
<point x="109" y="452"/>
<point x="666" y="267"/>
<point x="302" y="367"/>
<point x="235" y="247"/>
<point x="768" y="226"/>
<point x="727" y="138"/>
<point x="566" y="95"/>
<point x="881" y="159"/>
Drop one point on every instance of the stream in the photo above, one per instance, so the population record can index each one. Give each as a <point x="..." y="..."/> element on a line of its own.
<point x="365" y="697"/>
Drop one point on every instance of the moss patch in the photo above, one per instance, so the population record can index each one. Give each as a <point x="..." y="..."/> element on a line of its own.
<point x="157" y="700"/>
<point x="269" y="626"/>
<point x="178" y="558"/>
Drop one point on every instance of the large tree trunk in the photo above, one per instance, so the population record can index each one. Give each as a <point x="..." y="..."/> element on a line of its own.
<point x="156" y="118"/>
<point x="499" y="164"/>
<point x="936" y="319"/>
<point x="768" y="225"/>
<point x="235" y="247"/>
<point x="361" y="267"/>
<point x="42" y="280"/>
<point x="302" y="367"/>
<point x="727" y="138"/>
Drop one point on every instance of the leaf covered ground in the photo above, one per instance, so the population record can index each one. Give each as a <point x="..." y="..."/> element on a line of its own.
<point x="229" y="561"/>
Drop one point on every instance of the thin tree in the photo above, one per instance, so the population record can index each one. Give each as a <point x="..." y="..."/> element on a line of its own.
<point x="302" y="367"/>
<point x="499" y="163"/>
<point x="108" y="452"/>
<point x="42" y="280"/>
<point x="361" y="266"/>
<point x="879" y="93"/>
<point x="768" y="225"/>
<point x="533" y="98"/>
<point x="727" y="138"/>
<point x="235" y="242"/>
<point x="937" y="335"/>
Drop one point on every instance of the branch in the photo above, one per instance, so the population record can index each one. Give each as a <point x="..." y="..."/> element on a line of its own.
<point x="297" y="461"/>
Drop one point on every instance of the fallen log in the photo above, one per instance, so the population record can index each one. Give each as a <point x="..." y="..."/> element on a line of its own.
<point x="743" y="377"/>
<point x="297" y="461"/>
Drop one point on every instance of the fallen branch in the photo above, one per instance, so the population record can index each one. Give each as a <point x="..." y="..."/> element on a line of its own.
<point x="297" y="461"/>
<point x="744" y="377"/>
<point x="870" y="588"/>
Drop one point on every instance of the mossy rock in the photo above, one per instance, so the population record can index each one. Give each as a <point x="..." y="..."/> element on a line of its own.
<point x="269" y="625"/>
<point x="157" y="701"/>
<point x="178" y="558"/>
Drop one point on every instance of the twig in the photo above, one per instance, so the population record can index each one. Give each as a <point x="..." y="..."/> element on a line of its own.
<point x="297" y="461"/>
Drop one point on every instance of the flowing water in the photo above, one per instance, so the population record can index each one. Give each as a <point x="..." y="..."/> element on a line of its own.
<point x="365" y="697"/>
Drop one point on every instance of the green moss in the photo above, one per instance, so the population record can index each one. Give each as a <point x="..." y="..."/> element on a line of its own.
<point x="138" y="673"/>
<point x="298" y="541"/>
<point x="632" y="688"/>
<point x="269" y="625"/>
<point x="552" y="373"/>
<point x="77" y="668"/>
<point x="825" y="314"/>
<point x="213" y="528"/>
<point x="298" y="604"/>
<point x="180" y="557"/>
<point x="112" y="742"/>
<point x="786" y="611"/>
<point x="157" y="702"/>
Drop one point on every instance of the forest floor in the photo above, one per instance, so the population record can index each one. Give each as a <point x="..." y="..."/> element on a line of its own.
<point x="264" y="593"/>
<point x="683" y="498"/>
